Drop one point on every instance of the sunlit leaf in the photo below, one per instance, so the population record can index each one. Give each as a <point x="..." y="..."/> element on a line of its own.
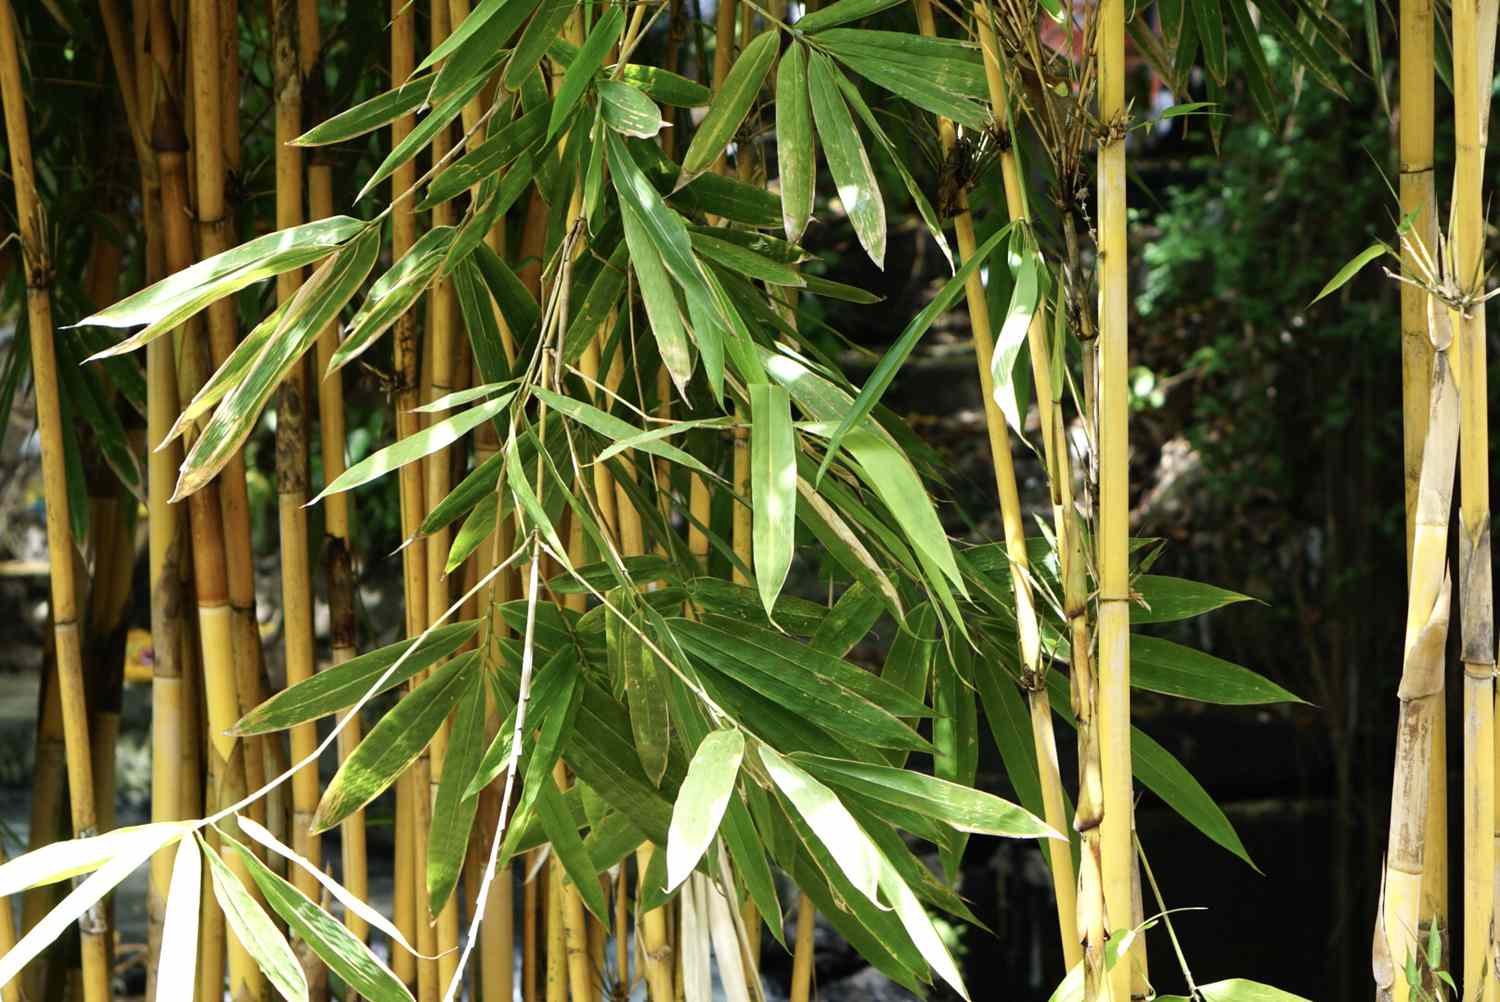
<point x="701" y="802"/>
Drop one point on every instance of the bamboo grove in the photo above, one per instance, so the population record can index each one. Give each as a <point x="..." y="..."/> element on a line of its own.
<point x="617" y="749"/>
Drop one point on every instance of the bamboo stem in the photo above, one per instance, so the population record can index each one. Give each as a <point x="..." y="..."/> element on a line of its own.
<point x="91" y="925"/>
<point x="1421" y="690"/>
<point x="210" y="576"/>
<point x="1476" y="598"/>
<point x="1114" y="490"/>
<point x="292" y="446"/>
<point x="1418" y="200"/>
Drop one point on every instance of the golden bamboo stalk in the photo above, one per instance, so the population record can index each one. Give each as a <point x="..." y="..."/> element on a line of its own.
<point x="1421" y="690"/>
<point x="216" y="114"/>
<point x="1114" y="491"/>
<point x="651" y="934"/>
<point x="37" y="261"/>
<point x="49" y="783"/>
<point x="210" y="575"/>
<point x="292" y="442"/>
<point x="1476" y="598"/>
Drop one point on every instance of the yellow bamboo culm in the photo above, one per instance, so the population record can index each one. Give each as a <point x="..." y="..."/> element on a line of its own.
<point x="1421" y="691"/>
<point x="214" y="83"/>
<point x="1419" y="202"/>
<point x="292" y="451"/>
<point x="1114" y="492"/>
<point x="64" y="593"/>
<point x="407" y="363"/>
<point x="1476" y="598"/>
<point x="210" y="575"/>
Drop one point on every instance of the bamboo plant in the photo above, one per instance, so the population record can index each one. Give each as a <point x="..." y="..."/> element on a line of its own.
<point x="660" y="441"/>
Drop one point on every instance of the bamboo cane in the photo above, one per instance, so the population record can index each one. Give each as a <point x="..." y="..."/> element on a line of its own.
<point x="38" y="265"/>
<point x="1418" y="201"/>
<point x="216" y="99"/>
<point x="651" y="932"/>
<point x="1475" y="595"/>
<point x="47" y="810"/>
<point x="407" y="360"/>
<point x="1421" y="680"/>
<point x="208" y="550"/>
<point x="1114" y="490"/>
<point x="292" y="447"/>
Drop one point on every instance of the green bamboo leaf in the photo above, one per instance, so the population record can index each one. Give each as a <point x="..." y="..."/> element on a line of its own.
<point x="658" y="433"/>
<point x="471" y="490"/>
<point x="367" y="116"/>
<point x="177" y="311"/>
<point x="857" y="857"/>
<point x="315" y="305"/>
<point x="1026" y="297"/>
<point x="848" y="622"/>
<point x="452" y="813"/>
<point x="710" y="194"/>
<point x="669" y="88"/>
<point x="1172" y="669"/>
<point x="659" y="298"/>
<point x="796" y="147"/>
<point x="739" y="602"/>
<point x="897" y="159"/>
<point x="502" y="146"/>
<point x="165" y="306"/>
<point x="340" y="686"/>
<point x="235" y="370"/>
<point x="435" y="437"/>
<point x="352" y="903"/>
<point x="1352" y="268"/>
<point x="961" y="807"/>
<point x="891" y="362"/>
<point x="701" y="802"/>
<point x="841" y="12"/>
<point x="615" y="428"/>
<point x="640" y="673"/>
<point x="394" y="743"/>
<point x="552" y="688"/>
<point x="665" y="227"/>
<point x="840" y="540"/>
<point x="528" y="503"/>
<point x="479" y="18"/>
<point x="773" y="488"/>
<point x="848" y="162"/>
<point x="746" y="262"/>
<point x="1209" y="19"/>
<point x="948" y="66"/>
<point x="889" y="473"/>
<point x="918" y="78"/>
<point x="539" y="35"/>
<point x="542" y="754"/>
<point x="256" y="932"/>
<point x="335" y="945"/>
<point x="628" y="110"/>
<point x="730" y="105"/>
<point x="391" y="295"/>
<point x="814" y="695"/>
<point x="420" y="137"/>
<point x="562" y="831"/>
<point x="1161" y="599"/>
<point x="177" y="962"/>
<point x="918" y="925"/>
<point x="478" y="527"/>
